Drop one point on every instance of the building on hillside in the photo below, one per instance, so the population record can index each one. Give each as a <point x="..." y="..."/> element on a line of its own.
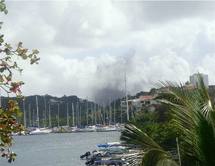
<point x="189" y="86"/>
<point x="194" y="79"/>
<point x="146" y="102"/>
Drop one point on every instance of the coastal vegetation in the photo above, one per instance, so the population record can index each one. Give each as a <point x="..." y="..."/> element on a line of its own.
<point x="9" y="65"/>
<point x="191" y="124"/>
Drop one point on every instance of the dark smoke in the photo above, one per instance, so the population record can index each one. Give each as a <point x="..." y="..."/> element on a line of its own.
<point x="106" y="95"/>
<point x="112" y="77"/>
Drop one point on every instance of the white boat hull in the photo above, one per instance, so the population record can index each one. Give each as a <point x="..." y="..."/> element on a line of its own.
<point x="40" y="131"/>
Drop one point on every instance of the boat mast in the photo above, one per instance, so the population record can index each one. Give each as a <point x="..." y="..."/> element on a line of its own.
<point x="120" y="112"/>
<point x="80" y="114"/>
<point x="58" y="114"/>
<point x="114" y="112"/>
<point x="24" y="111"/>
<point x="103" y="114"/>
<point x="33" y="117"/>
<point x="87" y="113"/>
<point x="107" y="114"/>
<point x="92" y="112"/>
<point x="110" y="112"/>
<point x="45" y="111"/>
<point x="50" y="122"/>
<point x="126" y="97"/>
<point x="29" y="114"/>
<point x="77" y="114"/>
<point x="67" y="113"/>
<point x="73" y="115"/>
<point x="95" y="113"/>
<point x="38" y="120"/>
<point x="100" y="114"/>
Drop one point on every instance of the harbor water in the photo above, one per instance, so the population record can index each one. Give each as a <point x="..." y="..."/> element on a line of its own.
<point x="57" y="149"/>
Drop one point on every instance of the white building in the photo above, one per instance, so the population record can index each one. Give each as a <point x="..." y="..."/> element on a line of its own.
<point x="194" y="79"/>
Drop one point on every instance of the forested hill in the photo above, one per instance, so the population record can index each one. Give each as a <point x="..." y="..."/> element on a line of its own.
<point x="47" y="102"/>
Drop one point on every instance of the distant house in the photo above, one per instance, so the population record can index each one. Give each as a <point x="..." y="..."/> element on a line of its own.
<point x="138" y="104"/>
<point x="147" y="100"/>
<point x="189" y="86"/>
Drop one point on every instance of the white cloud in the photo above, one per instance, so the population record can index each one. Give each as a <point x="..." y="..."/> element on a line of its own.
<point x="85" y="46"/>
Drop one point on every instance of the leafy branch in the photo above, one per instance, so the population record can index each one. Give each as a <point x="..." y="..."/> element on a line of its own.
<point x="8" y="66"/>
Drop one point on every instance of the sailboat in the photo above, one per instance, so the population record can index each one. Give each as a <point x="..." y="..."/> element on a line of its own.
<point x="38" y="130"/>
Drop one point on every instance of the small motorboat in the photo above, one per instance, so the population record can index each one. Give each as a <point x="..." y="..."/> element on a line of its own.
<point x="39" y="131"/>
<point x="109" y="144"/>
<point x="85" y="155"/>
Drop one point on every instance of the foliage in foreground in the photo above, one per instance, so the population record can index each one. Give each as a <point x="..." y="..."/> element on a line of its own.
<point x="158" y="125"/>
<point x="194" y="116"/>
<point x="8" y="66"/>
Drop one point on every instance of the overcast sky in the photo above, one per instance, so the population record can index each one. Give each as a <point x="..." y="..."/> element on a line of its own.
<point x="86" y="46"/>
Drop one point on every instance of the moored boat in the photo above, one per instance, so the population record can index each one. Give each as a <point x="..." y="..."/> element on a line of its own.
<point x="39" y="131"/>
<point x="109" y="144"/>
<point x="88" y="129"/>
<point x="106" y="128"/>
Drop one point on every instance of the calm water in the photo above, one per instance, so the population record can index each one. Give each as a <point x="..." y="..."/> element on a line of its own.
<point x="56" y="149"/>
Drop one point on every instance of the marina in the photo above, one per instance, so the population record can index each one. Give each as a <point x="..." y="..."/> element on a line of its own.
<point x="43" y="115"/>
<point x="68" y="129"/>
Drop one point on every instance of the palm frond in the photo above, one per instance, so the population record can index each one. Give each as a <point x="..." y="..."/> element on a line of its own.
<point x="206" y="141"/>
<point x="157" y="157"/>
<point x="195" y="117"/>
<point x="150" y="153"/>
<point x="133" y="135"/>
